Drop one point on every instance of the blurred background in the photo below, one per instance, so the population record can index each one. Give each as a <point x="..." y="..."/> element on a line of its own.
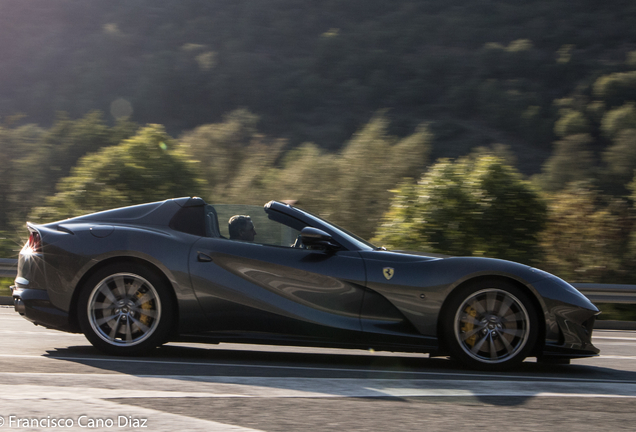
<point x="480" y="127"/>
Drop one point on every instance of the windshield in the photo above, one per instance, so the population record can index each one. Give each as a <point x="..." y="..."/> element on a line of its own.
<point x="360" y="242"/>
<point x="273" y="228"/>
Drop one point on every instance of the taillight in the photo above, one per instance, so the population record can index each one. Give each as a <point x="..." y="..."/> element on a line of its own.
<point x="35" y="242"/>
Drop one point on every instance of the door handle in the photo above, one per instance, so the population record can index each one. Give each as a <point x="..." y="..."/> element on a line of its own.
<point x="201" y="257"/>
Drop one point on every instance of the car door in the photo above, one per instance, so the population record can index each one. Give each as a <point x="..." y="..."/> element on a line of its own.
<point x="267" y="286"/>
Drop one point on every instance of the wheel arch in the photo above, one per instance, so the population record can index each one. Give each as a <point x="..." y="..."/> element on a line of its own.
<point x="481" y="279"/>
<point x="73" y="319"/>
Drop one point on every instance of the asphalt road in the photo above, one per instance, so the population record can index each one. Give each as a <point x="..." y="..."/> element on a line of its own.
<point x="50" y="379"/>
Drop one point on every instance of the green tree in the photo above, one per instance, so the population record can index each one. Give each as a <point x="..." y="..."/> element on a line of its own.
<point x="21" y="172"/>
<point x="619" y="119"/>
<point x="68" y="140"/>
<point x="34" y="159"/>
<point x="369" y="165"/>
<point x="349" y="187"/>
<point x="620" y="158"/>
<point x="631" y="255"/>
<point x="571" y="123"/>
<point x="586" y="238"/>
<point x="9" y="245"/>
<point x="572" y="160"/>
<point x="146" y="167"/>
<point x="221" y="148"/>
<point x="475" y="206"/>
<point x="308" y="175"/>
<point x="254" y="181"/>
<point x="616" y="88"/>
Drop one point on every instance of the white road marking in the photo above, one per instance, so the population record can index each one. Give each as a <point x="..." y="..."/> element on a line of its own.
<point x="594" y="338"/>
<point x="612" y="344"/>
<point x="618" y="357"/>
<point x="313" y="369"/>
<point x="109" y="386"/>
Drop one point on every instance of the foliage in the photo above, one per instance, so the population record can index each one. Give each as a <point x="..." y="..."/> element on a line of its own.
<point x="571" y="123"/>
<point x="68" y="140"/>
<point x="18" y="149"/>
<point x="146" y="167"/>
<point x="572" y="160"/>
<point x="619" y="119"/>
<point x="475" y="206"/>
<point x="350" y="187"/>
<point x="279" y="99"/>
<point x="315" y="71"/>
<point x="221" y="149"/>
<point x="616" y="88"/>
<point x="34" y="159"/>
<point x="254" y="180"/>
<point x="620" y="157"/>
<point x="617" y="312"/>
<point x="9" y="245"/>
<point x="587" y="236"/>
<point x="5" y="283"/>
<point x="368" y="166"/>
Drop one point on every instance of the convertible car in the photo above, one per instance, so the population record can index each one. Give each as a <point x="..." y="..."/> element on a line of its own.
<point x="136" y="277"/>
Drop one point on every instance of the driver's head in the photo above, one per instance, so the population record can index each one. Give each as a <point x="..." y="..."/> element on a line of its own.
<point x="241" y="228"/>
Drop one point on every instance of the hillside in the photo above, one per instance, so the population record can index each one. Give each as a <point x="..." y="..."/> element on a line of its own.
<point x="481" y="71"/>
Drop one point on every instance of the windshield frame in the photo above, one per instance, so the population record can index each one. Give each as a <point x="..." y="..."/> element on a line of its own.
<point x="356" y="240"/>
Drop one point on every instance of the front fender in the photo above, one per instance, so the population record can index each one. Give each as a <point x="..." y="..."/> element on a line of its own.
<point x="420" y="287"/>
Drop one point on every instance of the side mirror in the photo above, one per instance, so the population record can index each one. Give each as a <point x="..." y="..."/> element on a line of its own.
<point x="314" y="238"/>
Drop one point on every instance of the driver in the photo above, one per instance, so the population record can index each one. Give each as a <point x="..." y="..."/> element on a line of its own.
<point x="241" y="228"/>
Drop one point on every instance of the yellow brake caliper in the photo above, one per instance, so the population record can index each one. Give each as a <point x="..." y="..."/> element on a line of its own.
<point x="468" y="326"/>
<point x="145" y="319"/>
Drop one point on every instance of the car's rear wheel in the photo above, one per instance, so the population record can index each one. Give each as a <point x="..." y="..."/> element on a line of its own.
<point x="124" y="309"/>
<point x="491" y="325"/>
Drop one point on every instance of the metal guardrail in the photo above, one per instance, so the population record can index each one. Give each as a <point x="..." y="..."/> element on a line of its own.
<point x="597" y="293"/>
<point x="8" y="267"/>
<point x="608" y="293"/>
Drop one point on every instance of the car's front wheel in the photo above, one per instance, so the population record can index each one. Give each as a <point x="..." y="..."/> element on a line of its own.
<point x="491" y="325"/>
<point x="124" y="309"/>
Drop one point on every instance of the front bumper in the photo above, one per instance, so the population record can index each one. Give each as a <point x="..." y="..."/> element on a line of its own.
<point x="553" y="351"/>
<point x="569" y="320"/>
<point x="574" y="339"/>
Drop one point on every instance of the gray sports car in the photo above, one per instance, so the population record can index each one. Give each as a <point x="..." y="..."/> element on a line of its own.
<point x="136" y="277"/>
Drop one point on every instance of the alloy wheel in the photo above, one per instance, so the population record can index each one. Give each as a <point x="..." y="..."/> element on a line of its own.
<point x="492" y="326"/>
<point x="124" y="309"/>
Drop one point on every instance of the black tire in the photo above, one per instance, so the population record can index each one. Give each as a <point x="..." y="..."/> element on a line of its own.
<point x="124" y="309"/>
<point x="490" y="325"/>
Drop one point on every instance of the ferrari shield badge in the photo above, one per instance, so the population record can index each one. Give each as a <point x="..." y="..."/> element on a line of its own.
<point x="388" y="272"/>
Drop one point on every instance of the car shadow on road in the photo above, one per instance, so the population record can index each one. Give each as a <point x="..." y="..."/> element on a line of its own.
<point x="254" y="360"/>
<point x="261" y="363"/>
<point x="280" y="361"/>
